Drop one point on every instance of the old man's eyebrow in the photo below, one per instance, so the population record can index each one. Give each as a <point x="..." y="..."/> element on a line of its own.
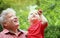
<point x="11" y="16"/>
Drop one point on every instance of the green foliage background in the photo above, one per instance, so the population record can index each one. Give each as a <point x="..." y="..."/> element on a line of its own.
<point x="51" y="10"/>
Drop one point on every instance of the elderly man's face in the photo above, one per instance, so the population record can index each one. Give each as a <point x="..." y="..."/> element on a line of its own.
<point x="12" y="21"/>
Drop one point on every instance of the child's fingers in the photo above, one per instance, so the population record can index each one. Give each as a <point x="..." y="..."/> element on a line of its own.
<point x="39" y="11"/>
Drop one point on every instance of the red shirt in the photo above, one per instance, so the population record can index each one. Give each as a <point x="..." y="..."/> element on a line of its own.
<point x="36" y="30"/>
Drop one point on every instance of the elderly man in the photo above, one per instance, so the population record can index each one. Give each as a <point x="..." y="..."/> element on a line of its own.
<point x="10" y="24"/>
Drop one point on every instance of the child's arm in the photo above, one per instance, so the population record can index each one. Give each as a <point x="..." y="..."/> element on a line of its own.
<point x="42" y="18"/>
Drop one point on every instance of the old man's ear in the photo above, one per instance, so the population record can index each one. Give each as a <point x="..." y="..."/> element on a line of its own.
<point x="4" y="24"/>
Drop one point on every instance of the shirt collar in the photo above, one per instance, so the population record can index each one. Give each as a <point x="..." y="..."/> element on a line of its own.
<point x="8" y="32"/>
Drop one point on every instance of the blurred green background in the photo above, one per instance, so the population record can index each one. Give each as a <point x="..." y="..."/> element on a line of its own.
<point x="51" y="10"/>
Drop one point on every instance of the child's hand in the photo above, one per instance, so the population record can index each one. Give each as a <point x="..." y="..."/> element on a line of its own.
<point x="39" y="11"/>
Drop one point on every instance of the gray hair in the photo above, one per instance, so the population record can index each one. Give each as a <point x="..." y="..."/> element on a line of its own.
<point x="4" y="13"/>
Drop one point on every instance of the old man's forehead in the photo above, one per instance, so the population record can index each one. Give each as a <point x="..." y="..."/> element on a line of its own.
<point x="11" y="13"/>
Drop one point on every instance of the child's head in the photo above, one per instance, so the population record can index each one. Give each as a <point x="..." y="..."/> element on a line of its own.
<point x="33" y="15"/>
